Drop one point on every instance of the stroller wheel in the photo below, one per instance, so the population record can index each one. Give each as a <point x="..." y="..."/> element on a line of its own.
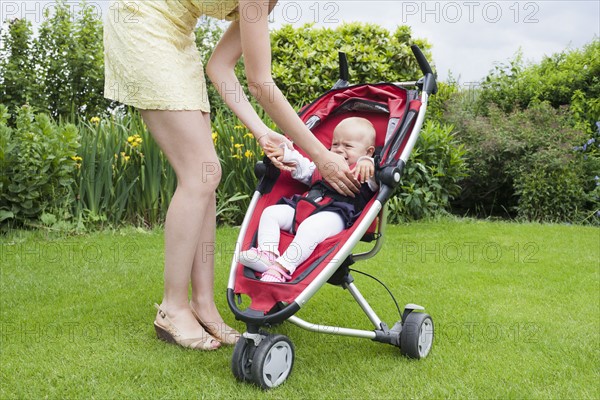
<point x="242" y="359"/>
<point x="416" y="337"/>
<point x="272" y="361"/>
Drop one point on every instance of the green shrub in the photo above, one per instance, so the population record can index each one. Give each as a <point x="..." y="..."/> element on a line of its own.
<point x="431" y="176"/>
<point x="523" y="164"/>
<point x="571" y="77"/>
<point x="305" y="59"/>
<point x="550" y="190"/>
<point x="37" y="164"/>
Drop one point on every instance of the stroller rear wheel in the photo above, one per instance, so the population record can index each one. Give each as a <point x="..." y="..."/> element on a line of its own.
<point x="272" y="361"/>
<point x="416" y="337"/>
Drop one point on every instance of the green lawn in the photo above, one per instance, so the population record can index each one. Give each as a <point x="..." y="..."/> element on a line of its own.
<point x="516" y="309"/>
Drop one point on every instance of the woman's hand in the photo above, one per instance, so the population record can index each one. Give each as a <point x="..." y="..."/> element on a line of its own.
<point x="270" y="143"/>
<point x="334" y="169"/>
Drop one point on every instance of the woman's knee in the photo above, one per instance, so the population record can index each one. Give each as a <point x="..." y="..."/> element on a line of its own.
<point x="202" y="179"/>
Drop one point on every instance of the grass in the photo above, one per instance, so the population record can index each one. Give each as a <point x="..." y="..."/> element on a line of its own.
<point x="516" y="309"/>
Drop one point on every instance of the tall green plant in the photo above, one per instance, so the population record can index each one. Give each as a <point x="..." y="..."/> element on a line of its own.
<point x="238" y="153"/>
<point x="69" y="56"/>
<point x="18" y="84"/>
<point x="37" y="163"/>
<point x="431" y="176"/>
<point x="123" y="176"/>
<point x="525" y="164"/>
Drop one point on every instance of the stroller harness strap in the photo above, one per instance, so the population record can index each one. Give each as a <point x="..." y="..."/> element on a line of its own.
<point x="319" y="197"/>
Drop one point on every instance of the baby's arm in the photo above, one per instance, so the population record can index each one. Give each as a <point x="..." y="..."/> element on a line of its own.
<point x="364" y="171"/>
<point x="301" y="167"/>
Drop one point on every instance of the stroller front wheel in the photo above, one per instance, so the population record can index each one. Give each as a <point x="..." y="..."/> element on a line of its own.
<point x="272" y="361"/>
<point x="241" y="360"/>
<point x="416" y="337"/>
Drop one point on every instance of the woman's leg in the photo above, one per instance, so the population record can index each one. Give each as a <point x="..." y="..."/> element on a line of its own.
<point x="312" y="231"/>
<point x="202" y="274"/>
<point x="185" y="138"/>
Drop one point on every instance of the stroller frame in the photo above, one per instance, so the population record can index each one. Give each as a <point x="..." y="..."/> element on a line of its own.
<point x="267" y="359"/>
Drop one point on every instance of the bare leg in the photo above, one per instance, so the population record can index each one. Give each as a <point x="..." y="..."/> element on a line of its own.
<point x="202" y="276"/>
<point x="185" y="138"/>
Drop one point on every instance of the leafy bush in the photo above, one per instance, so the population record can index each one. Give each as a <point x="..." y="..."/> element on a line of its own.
<point x="305" y="59"/>
<point x="523" y="164"/>
<point x="571" y="77"/>
<point x="37" y="164"/>
<point x="431" y="176"/>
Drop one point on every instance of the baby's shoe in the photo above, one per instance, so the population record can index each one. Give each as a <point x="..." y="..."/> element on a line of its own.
<point x="276" y="274"/>
<point x="257" y="260"/>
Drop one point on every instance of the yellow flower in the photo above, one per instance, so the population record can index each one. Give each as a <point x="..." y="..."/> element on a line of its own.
<point x="95" y="120"/>
<point x="138" y="139"/>
<point x="238" y="127"/>
<point x="214" y="137"/>
<point x="238" y="145"/>
<point x="76" y="158"/>
<point x="130" y="139"/>
<point x="237" y="156"/>
<point x="248" y="154"/>
<point x="249" y="135"/>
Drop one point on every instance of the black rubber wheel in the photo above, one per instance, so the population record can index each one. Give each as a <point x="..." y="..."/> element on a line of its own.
<point x="242" y="359"/>
<point x="273" y="361"/>
<point x="417" y="334"/>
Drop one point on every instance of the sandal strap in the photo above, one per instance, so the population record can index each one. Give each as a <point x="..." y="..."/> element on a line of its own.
<point x="171" y="328"/>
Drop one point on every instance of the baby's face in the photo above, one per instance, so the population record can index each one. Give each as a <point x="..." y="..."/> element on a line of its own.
<point x="351" y="144"/>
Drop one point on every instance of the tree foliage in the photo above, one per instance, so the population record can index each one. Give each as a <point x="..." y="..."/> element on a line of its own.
<point x="305" y="59"/>
<point x="61" y="71"/>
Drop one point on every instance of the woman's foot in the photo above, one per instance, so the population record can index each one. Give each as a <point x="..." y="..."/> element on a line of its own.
<point x="177" y="328"/>
<point x="276" y="273"/>
<point x="215" y="325"/>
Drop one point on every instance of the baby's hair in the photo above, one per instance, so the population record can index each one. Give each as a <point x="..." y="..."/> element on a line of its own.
<point x="364" y="125"/>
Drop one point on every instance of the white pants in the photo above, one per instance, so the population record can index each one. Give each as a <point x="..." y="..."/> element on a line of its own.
<point x="312" y="231"/>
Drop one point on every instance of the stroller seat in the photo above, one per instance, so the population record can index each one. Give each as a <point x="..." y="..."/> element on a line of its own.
<point x="386" y="106"/>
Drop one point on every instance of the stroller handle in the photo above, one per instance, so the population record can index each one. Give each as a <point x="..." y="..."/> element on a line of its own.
<point x="421" y="60"/>
<point x="429" y="84"/>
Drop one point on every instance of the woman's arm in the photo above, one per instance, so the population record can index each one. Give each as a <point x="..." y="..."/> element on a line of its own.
<point x="250" y="36"/>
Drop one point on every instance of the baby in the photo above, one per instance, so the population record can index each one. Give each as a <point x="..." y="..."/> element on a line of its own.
<point x="319" y="213"/>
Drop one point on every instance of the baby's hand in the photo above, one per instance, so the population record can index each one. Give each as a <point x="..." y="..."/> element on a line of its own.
<point x="276" y="153"/>
<point x="364" y="170"/>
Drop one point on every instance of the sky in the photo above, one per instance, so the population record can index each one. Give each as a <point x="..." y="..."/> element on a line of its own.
<point x="468" y="38"/>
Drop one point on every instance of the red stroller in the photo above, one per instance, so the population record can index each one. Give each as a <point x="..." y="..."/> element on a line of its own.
<point x="397" y="115"/>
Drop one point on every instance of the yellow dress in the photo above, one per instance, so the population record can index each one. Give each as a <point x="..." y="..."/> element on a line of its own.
<point x="150" y="55"/>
